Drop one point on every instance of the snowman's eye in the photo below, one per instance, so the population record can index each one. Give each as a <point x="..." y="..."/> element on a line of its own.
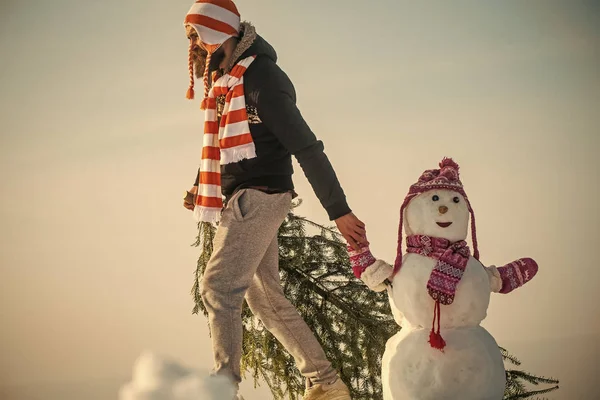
<point x="456" y="200"/>
<point x="435" y="198"/>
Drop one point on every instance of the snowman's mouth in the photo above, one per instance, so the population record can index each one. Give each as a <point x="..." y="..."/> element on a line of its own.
<point x="444" y="224"/>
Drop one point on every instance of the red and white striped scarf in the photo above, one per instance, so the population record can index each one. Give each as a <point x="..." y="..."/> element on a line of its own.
<point x="225" y="142"/>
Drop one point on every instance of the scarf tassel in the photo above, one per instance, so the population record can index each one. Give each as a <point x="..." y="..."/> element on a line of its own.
<point x="435" y="338"/>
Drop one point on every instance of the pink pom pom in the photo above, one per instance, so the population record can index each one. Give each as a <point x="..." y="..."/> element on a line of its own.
<point x="448" y="162"/>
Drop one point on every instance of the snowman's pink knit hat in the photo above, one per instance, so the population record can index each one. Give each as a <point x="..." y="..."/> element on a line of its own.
<point x="447" y="177"/>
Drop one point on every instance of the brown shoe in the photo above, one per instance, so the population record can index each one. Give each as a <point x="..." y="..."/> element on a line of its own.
<point x="336" y="390"/>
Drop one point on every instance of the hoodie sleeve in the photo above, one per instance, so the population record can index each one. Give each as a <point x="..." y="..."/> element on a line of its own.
<point x="276" y="103"/>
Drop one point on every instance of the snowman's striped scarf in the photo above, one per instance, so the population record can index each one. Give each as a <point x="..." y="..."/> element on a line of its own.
<point x="225" y="142"/>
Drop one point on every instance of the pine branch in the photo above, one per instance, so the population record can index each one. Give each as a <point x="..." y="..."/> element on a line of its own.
<point x="516" y="379"/>
<point x="329" y="296"/>
<point x="506" y="356"/>
<point x="323" y="228"/>
<point x="204" y="239"/>
<point x="533" y="379"/>
<point x="530" y="394"/>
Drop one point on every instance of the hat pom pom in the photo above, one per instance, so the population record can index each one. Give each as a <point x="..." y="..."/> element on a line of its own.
<point x="448" y="162"/>
<point x="449" y="169"/>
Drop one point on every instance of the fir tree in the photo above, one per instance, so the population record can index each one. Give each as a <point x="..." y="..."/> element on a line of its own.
<point x="351" y="322"/>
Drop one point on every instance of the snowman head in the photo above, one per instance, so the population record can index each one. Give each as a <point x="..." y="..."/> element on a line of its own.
<point x="437" y="206"/>
<point x="439" y="213"/>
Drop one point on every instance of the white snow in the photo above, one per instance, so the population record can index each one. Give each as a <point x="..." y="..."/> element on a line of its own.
<point x="470" y="368"/>
<point x="158" y="378"/>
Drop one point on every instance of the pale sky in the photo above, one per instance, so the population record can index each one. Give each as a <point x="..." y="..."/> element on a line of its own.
<point x="98" y="143"/>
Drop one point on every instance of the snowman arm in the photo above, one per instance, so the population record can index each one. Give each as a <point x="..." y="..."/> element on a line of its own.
<point x="495" y="278"/>
<point x="511" y="276"/>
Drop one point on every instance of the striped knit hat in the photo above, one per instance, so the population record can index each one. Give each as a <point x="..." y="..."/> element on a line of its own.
<point x="215" y="21"/>
<point x="447" y="177"/>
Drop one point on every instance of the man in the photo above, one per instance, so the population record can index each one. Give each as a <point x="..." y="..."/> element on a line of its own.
<point x="252" y="127"/>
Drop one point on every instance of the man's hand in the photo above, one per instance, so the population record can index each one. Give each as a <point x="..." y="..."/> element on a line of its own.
<point x="353" y="230"/>
<point x="186" y="202"/>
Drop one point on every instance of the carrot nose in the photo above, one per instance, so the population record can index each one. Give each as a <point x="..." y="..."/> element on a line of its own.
<point x="443" y="209"/>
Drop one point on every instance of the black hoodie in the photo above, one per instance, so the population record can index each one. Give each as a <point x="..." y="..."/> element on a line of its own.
<point x="279" y="130"/>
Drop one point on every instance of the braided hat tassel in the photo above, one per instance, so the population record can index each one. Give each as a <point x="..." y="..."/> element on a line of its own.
<point x="190" y="92"/>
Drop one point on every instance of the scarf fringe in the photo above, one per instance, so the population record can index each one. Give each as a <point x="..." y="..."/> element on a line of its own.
<point x="205" y="214"/>
<point x="238" y="153"/>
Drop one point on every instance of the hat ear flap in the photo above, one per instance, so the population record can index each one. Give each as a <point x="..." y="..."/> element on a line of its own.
<point x="473" y="233"/>
<point x="398" y="262"/>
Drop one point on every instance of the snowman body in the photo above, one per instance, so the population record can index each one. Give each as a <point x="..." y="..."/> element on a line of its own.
<point x="470" y="367"/>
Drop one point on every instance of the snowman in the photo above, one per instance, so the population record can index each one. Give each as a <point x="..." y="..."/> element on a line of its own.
<point x="439" y="294"/>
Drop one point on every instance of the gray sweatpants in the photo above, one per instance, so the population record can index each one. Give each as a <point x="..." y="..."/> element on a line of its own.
<point x="245" y="263"/>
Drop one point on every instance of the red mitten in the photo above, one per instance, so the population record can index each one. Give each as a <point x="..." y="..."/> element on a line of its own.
<point x="517" y="273"/>
<point x="360" y="260"/>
